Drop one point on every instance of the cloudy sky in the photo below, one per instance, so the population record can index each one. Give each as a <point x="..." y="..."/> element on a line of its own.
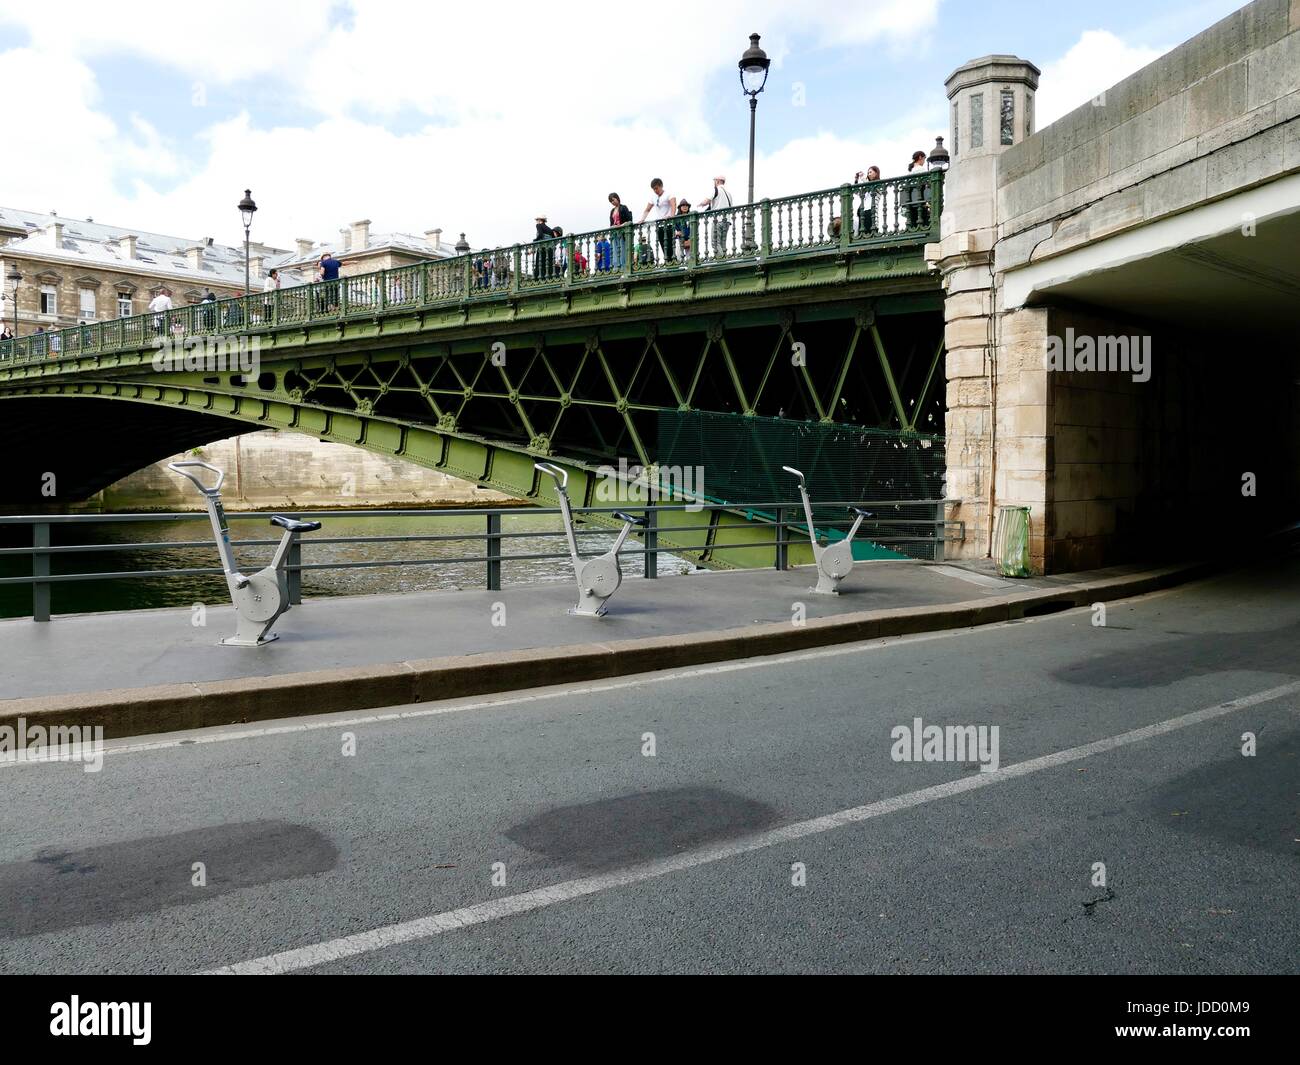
<point x="475" y="117"/>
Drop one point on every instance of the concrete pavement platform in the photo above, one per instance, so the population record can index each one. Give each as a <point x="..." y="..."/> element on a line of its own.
<point x="152" y="671"/>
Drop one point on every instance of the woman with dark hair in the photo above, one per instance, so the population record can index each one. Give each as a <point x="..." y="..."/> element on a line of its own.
<point x="619" y="215"/>
<point x="917" y="210"/>
<point x="867" y="213"/>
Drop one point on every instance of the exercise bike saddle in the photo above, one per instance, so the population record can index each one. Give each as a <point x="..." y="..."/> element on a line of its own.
<point x="293" y="525"/>
<point x="860" y="512"/>
<point x="628" y="518"/>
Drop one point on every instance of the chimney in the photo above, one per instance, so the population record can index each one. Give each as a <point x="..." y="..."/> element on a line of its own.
<point x="56" y="231"/>
<point x="255" y="266"/>
<point x="194" y="256"/>
<point x="126" y="245"/>
<point x="304" y="247"/>
<point x="345" y="239"/>
<point x="361" y="234"/>
<point x="434" y="237"/>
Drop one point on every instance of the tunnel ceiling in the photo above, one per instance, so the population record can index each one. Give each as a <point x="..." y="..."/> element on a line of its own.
<point x="1233" y="282"/>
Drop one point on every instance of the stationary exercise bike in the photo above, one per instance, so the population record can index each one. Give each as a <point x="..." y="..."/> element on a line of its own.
<point x="261" y="598"/>
<point x="599" y="577"/>
<point x="834" y="561"/>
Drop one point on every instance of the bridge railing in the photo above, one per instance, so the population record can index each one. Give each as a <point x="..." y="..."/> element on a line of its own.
<point x="916" y="527"/>
<point x="849" y="219"/>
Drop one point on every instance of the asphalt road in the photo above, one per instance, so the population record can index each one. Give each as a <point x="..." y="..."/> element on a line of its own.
<point x="1119" y="745"/>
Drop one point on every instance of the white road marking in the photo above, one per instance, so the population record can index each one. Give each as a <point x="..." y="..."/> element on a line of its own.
<point x="425" y="927"/>
<point x="202" y="736"/>
<point x="984" y="580"/>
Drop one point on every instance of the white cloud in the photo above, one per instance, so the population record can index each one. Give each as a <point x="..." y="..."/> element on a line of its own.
<point x="529" y="107"/>
<point x="1096" y="61"/>
<point x="220" y="43"/>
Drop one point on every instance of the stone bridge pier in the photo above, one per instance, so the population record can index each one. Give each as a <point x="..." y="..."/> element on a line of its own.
<point x="1122" y="300"/>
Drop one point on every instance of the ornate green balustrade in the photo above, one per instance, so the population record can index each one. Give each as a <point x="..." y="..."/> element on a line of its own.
<point x="849" y="220"/>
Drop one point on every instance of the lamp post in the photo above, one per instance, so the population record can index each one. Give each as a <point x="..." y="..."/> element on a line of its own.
<point x="753" y="76"/>
<point x="938" y="159"/>
<point x="13" y="277"/>
<point x="247" y="208"/>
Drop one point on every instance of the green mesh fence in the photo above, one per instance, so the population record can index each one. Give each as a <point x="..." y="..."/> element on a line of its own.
<point x="740" y="461"/>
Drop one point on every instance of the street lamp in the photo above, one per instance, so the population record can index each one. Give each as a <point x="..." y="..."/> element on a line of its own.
<point x="13" y="277"/>
<point x="753" y="76"/>
<point x="247" y="208"/>
<point x="938" y="159"/>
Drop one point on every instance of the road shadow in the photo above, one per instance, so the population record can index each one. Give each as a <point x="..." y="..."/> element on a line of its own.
<point x="1239" y="801"/>
<point x="1258" y="651"/>
<point x="60" y="889"/>
<point x="641" y="826"/>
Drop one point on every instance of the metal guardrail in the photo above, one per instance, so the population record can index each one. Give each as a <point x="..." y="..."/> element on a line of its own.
<point x="897" y="211"/>
<point x="784" y="517"/>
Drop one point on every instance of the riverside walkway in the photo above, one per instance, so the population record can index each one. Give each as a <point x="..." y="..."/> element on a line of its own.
<point x="153" y="670"/>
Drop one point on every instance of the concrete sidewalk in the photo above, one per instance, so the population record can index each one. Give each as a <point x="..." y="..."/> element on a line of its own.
<point x="150" y="671"/>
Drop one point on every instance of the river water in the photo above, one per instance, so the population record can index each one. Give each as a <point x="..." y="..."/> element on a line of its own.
<point x="183" y="589"/>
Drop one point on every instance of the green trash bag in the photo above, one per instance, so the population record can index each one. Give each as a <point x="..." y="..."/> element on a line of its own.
<point x="1011" y="542"/>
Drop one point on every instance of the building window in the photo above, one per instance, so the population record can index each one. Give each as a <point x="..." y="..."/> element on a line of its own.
<point x="86" y="312"/>
<point x="977" y="120"/>
<point x="956" y="129"/>
<point x="49" y="300"/>
<point x="124" y="305"/>
<point x="1029" y="114"/>
<point x="1008" y="117"/>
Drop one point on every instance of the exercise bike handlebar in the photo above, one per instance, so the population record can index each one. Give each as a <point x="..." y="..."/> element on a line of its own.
<point x="215" y="490"/>
<point x="556" y="473"/>
<point x="797" y="473"/>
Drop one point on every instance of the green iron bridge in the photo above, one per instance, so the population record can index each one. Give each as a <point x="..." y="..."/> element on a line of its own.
<point x="779" y="332"/>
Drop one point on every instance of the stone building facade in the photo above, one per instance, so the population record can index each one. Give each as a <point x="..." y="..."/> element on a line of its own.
<point x="76" y="272"/>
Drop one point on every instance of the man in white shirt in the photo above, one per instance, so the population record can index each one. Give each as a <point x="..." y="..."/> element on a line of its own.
<point x="719" y="201"/>
<point x="660" y="210"/>
<point x="160" y="303"/>
<point x="269" y="287"/>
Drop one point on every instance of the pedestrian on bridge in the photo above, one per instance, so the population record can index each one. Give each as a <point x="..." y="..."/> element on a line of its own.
<point x="160" y="304"/>
<point x="269" y="289"/>
<point x="661" y="209"/>
<point x="867" y="206"/>
<point x="719" y="201"/>
<point x="327" y="275"/>
<point x="916" y="197"/>
<point x="682" y="227"/>
<point x="619" y="215"/>
<point x="543" y="258"/>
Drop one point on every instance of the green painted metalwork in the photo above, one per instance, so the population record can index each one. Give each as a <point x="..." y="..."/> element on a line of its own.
<point x="477" y="365"/>
<point x="578" y="272"/>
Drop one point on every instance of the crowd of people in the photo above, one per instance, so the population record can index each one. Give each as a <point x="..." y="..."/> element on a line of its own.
<point x="664" y="232"/>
